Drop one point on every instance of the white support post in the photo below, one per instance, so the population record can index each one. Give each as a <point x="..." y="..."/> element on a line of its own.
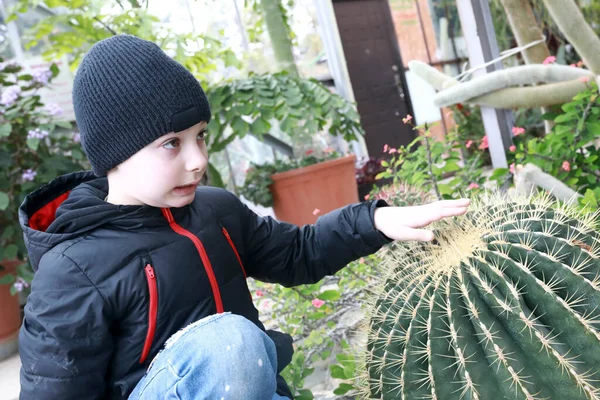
<point x="13" y="35"/>
<point x="478" y="30"/>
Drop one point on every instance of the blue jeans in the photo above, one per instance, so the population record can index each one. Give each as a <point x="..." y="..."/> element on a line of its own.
<point x="223" y="356"/>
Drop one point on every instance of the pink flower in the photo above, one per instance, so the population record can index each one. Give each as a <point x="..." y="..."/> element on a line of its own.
<point x="469" y="144"/>
<point x="385" y="148"/>
<point x="549" y="60"/>
<point x="512" y="168"/>
<point x="328" y="150"/>
<point x="362" y="260"/>
<point x="309" y="152"/>
<point x="472" y="186"/>
<point x="566" y="166"/>
<point x="407" y="119"/>
<point x="318" y="303"/>
<point x="573" y="65"/>
<point x="512" y="148"/>
<point x="517" y="130"/>
<point x="580" y="64"/>
<point x="316" y="211"/>
<point x="584" y="79"/>
<point x="392" y="151"/>
<point x="484" y="143"/>
<point x="259" y="293"/>
<point x="367" y="196"/>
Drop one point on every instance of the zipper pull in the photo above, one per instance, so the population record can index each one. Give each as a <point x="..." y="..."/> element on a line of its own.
<point x="149" y="271"/>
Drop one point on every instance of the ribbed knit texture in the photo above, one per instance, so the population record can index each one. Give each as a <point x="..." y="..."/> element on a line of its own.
<point x="125" y="94"/>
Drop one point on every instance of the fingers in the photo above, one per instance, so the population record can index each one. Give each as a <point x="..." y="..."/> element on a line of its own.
<point x="453" y="203"/>
<point x="405" y="233"/>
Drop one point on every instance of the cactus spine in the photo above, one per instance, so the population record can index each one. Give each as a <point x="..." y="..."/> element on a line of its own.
<point x="506" y="305"/>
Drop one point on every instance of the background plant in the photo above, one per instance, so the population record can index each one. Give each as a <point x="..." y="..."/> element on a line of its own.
<point x="258" y="176"/>
<point x="570" y="152"/>
<point x="246" y="105"/>
<point x="34" y="148"/>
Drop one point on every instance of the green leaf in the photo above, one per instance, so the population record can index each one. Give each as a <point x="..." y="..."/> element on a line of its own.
<point x="239" y="126"/>
<point x="214" y="177"/>
<point x="331" y="295"/>
<point x="7" y="279"/>
<point x="10" y="252"/>
<point x="64" y="124"/>
<point x="304" y="394"/>
<point x="5" y="130"/>
<point x="343" y="388"/>
<point x="33" y="144"/>
<point x="260" y="127"/>
<point x="54" y="70"/>
<point x="337" y="372"/>
<point x="4" y="201"/>
<point x="589" y="199"/>
<point x="316" y="315"/>
<point x="451" y="167"/>
<point x="8" y="232"/>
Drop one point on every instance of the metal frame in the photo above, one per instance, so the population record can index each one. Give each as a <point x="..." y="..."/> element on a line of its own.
<point x="478" y="28"/>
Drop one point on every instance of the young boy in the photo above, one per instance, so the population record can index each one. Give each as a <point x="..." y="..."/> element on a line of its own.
<point x="129" y="254"/>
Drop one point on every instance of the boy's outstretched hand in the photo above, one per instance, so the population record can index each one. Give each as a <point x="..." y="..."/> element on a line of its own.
<point x="404" y="223"/>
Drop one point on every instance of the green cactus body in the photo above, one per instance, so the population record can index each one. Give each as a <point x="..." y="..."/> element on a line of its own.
<point x="506" y="305"/>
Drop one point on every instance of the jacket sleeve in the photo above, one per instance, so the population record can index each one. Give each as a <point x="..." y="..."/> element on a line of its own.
<point x="64" y="343"/>
<point x="290" y="255"/>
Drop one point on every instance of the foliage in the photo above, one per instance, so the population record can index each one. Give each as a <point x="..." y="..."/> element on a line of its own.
<point x="424" y="163"/>
<point x="570" y="152"/>
<point x="302" y="107"/>
<point x="34" y="148"/>
<point x="258" y="177"/>
<point x="78" y="24"/>
<point x="309" y="313"/>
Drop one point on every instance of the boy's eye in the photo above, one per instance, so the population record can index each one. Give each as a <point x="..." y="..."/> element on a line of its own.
<point x="171" y="144"/>
<point x="202" y="135"/>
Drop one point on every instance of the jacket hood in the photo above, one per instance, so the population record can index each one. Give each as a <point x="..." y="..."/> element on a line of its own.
<point x="72" y="206"/>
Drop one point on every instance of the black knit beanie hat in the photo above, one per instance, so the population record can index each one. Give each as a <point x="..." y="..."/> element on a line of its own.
<point x="128" y="93"/>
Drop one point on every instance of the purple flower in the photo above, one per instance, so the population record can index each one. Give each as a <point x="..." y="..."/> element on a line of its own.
<point x="77" y="137"/>
<point x="29" y="175"/>
<point x="10" y="95"/>
<point x="37" y="134"/>
<point x="20" y="284"/>
<point x="54" y="109"/>
<point x="42" y="76"/>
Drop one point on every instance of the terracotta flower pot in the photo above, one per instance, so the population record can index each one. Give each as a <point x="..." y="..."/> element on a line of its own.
<point x="324" y="186"/>
<point x="10" y="314"/>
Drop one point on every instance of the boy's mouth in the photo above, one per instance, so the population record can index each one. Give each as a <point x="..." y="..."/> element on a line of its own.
<point x="186" y="189"/>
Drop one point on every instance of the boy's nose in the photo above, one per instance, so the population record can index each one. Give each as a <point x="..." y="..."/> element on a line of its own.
<point x="195" y="160"/>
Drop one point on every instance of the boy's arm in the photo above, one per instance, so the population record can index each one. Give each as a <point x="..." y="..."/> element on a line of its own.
<point x="286" y="254"/>
<point x="64" y="343"/>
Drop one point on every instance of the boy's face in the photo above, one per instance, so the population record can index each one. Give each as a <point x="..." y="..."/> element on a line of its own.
<point x="163" y="174"/>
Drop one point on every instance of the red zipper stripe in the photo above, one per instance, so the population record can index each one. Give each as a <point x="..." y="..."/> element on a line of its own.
<point x="152" y="311"/>
<point x="203" y="256"/>
<point x="234" y="250"/>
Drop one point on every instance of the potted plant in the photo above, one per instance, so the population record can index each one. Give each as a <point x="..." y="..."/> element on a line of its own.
<point x="34" y="148"/>
<point x="301" y="189"/>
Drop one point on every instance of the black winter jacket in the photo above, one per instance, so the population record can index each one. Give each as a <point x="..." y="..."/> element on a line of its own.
<point x="113" y="283"/>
